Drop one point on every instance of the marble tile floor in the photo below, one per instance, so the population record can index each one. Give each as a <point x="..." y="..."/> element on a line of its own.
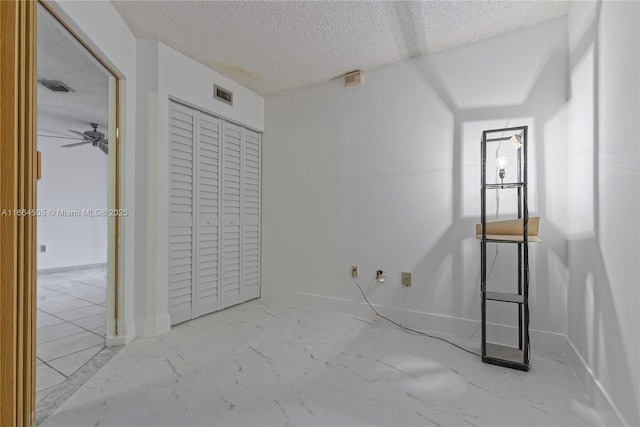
<point x="71" y="324"/>
<point x="261" y="364"/>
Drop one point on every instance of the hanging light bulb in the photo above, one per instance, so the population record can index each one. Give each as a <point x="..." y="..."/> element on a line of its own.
<point x="501" y="163"/>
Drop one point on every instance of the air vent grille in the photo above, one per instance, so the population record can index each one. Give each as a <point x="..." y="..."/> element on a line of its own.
<point x="222" y="94"/>
<point x="353" y="79"/>
<point x="55" y="85"/>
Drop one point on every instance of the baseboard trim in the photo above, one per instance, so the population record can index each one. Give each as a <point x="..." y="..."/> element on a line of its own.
<point x="125" y="336"/>
<point x="116" y="341"/>
<point x="152" y="326"/>
<point x="71" y="268"/>
<point x="594" y="389"/>
<point x="541" y="341"/>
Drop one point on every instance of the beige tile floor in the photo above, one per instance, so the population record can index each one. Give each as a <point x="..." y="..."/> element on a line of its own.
<point x="71" y="324"/>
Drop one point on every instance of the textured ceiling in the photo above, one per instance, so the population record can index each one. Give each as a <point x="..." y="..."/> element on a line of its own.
<point x="273" y="46"/>
<point x="62" y="57"/>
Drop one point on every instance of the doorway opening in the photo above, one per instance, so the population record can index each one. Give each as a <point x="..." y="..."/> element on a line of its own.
<point x="77" y="211"/>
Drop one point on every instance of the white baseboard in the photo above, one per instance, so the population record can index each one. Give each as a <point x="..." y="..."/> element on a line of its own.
<point x="116" y="341"/>
<point x="607" y="410"/>
<point x="152" y="326"/>
<point x="71" y="268"/>
<point x="541" y="341"/>
<point x="125" y="336"/>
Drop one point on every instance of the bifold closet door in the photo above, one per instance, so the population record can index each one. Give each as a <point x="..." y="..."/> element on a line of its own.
<point x="214" y="218"/>
<point x="231" y="208"/>
<point x="250" y="215"/>
<point x="207" y="202"/>
<point x="181" y="208"/>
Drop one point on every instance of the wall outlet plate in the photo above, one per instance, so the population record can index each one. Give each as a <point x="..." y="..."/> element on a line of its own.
<point x="354" y="271"/>
<point x="406" y="279"/>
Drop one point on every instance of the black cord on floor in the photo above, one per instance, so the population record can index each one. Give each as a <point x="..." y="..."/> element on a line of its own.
<point x="409" y="329"/>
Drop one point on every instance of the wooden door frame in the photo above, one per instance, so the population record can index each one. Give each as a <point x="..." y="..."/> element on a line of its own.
<point x="17" y="218"/>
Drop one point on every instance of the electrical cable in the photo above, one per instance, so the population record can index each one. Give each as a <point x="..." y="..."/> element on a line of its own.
<point x="473" y="334"/>
<point x="409" y="329"/>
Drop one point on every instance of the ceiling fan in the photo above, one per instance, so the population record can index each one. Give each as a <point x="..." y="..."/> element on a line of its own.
<point x="96" y="138"/>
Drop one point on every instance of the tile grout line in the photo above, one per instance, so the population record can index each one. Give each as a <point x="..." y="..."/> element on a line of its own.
<point x="71" y="322"/>
<point x="78" y="281"/>
<point x="74" y="296"/>
<point x="63" y="322"/>
<point x="46" y="364"/>
<point x="47" y="286"/>
<point x="67" y="376"/>
<point x="58" y="317"/>
<point x="65" y="311"/>
<point x="68" y="294"/>
<point x="53" y="360"/>
<point x="71" y="309"/>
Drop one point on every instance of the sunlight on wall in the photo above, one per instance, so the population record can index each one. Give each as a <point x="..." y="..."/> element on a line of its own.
<point x="580" y="179"/>
<point x="440" y="289"/>
<point x="591" y="329"/>
<point x="555" y="169"/>
<point x="556" y="297"/>
<point x="470" y="256"/>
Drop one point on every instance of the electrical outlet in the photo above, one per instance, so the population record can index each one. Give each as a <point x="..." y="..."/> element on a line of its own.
<point x="354" y="271"/>
<point x="43" y="248"/>
<point x="380" y="276"/>
<point x="406" y="279"/>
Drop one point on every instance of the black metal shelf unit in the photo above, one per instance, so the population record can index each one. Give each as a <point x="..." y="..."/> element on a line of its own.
<point x="511" y="357"/>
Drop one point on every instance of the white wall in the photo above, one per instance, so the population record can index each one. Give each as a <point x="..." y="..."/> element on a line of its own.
<point x="603" y="205"/>
<point x="100" y="25"/>
<point x="164" y="73"/>
<point x="72" y="179"/>
<point x="386" y="176"/>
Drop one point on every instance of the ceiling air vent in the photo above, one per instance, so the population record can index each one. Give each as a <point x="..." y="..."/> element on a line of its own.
<point x="221" y="94"/>
<point x="55" y="85"/>
<point x="353" y="79"/>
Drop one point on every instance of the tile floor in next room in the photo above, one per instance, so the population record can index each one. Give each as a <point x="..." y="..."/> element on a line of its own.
<point x="265" y="363"/>
<point x="70" y="324"/>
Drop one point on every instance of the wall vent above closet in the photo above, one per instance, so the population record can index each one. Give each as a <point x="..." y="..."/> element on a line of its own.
<point x="222" y="94"/>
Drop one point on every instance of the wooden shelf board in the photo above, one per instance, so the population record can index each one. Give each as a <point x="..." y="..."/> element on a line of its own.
<point x="510" y="231"/>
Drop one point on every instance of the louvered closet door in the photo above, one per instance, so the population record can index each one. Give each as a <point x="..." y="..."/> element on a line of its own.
<point x="181" y="140"/>
<point x="251" y="216"/>
<point x="207" y="203"/>
<point x="231" y="195"/>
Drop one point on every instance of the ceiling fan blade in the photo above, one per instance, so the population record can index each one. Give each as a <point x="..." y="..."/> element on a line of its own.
<point x="74" y="144"/>
<point x="78" y="133"/>
<point x="71" y="138"/>
<point x="104" y="148"/>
